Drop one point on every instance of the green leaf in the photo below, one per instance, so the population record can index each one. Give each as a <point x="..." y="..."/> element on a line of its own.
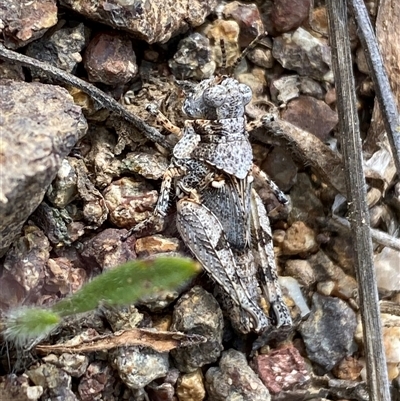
<point x="129" y="282"/>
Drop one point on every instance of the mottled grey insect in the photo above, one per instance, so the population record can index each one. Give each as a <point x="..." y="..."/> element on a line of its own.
<point x="220" y="217"/>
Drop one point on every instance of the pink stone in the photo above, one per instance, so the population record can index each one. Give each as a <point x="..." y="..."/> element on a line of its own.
<point x="281" y="369"/>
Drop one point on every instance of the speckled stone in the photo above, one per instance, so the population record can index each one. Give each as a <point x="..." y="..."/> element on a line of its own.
<point x="138" y="366"/>
<point x="110" y="59"/>
<point x="282" y="369"/>
<point x="36" y="136"/>
<point x="25" y="20"/>
<point x="149" y="20"/>
<point x="193" y="60"/>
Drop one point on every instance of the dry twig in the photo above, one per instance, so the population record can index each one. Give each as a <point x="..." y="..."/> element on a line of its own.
<point x="160" y="341"/>
<point x="99" y="96"/>
<point x="356" y="196"/>
<point x="379" y="237"/>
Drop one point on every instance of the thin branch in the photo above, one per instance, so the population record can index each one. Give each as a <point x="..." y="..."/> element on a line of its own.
<point x="385" y="239"/>
<point x="379" y="237"/>
<point x="390" y="307"/>
<point x="99" y="96"/>
<point x="326" y="163"/>
<point x="387" y="103"/>
<point x="356" y="196"/>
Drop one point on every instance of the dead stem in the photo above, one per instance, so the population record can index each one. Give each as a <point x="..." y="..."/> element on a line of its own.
<point x="356" y="197"/>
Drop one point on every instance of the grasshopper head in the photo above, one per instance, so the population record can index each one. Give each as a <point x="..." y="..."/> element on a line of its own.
<point x="217" y="98"/>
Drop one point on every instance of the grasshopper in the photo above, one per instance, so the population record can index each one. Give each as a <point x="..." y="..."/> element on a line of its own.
<point x="220" y="217"/>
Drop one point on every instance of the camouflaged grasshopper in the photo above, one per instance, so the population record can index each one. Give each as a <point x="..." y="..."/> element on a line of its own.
<point x="221" y="219"/>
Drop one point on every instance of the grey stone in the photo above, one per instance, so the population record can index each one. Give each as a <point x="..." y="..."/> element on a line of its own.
<point x="328" y="333"/>
<point x="54" y="223"/>
<point x="285" y="88"/>
<point x="197" y="312"/>
<point x="310" y="87"/>
<point x="150" y="20"/>
<point x="193" y="58"/>
<point x="63" y="189"/>
<point x="261" y="56"/>
<point x="138" y="366"/>
<point x="74" y="364"/>
<point x="61" y="49"/>
<point x="54" y="380"/>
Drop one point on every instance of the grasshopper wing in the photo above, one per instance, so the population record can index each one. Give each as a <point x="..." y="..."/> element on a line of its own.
<point x="231" y="203"/>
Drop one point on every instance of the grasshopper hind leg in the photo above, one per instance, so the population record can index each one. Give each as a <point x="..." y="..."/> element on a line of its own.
<point x="204" y="235"/>
<point x="265" y="259"/>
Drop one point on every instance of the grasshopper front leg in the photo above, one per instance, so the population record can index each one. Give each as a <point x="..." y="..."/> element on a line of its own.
<point x="163" y="120"/>
<point x="155" y="222"/>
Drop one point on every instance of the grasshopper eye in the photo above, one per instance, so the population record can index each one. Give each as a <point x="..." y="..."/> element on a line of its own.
<point x="246" y="93"/>
<point x="215" y="96"/>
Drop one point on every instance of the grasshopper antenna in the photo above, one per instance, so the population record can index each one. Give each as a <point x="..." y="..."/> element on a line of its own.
<point x="223" y="56"/>
<point x="244" y="53"/>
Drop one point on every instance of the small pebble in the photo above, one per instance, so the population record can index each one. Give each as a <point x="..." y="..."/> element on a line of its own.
<point x="190" y="387"/>
<point x="110" y="59"/>
<point x="138" y="366"/>
<point x="299" y="238"/>
<point x="282" y="369"/>
<point x="235" y="380"/>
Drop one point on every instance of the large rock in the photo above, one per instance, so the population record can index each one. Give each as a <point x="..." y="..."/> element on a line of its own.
<point x="23" y="21"/>
<point x="150" y="20"/>
<point x="39" y="125"/>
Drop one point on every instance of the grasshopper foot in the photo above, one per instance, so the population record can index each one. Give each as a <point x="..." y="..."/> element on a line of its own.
<point x="150" y="226"/>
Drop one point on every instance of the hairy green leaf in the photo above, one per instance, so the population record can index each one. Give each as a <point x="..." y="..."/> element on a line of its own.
<point x="129" y="282"/>
<point x="26" y="324"/>
<point x="123" y="285"/>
